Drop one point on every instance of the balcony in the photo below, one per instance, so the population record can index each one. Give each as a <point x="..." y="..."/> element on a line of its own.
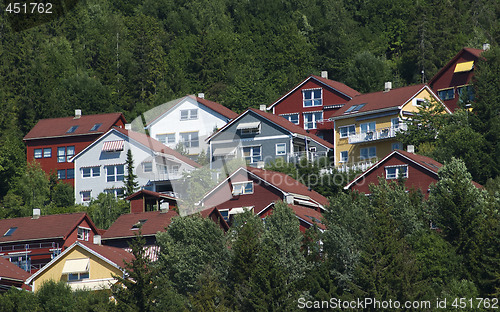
<point x="311" y="156"/>
<point x="358" y="166"/>
<point x="381" y="134"/>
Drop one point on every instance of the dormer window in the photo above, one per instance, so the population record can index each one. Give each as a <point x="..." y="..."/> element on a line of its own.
<point x="95" y="127"/>
<point x="83" y="233"/>
<point x="139" y="224"/>
<point x="312" y="97"/>
<point x="72" y="129"/>
<point x="243" y="188"/>
<point x="395" y="172"/>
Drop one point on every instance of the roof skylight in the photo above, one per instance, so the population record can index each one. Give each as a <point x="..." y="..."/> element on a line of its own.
<point x="72" y="129"/>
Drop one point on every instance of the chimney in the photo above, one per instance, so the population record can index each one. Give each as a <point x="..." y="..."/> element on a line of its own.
<point x="410" y="148"/>
<point x="324" y="74"/>
<point x="486" y="46"/>
<point x="128" y="126"/>
<point x="97" y="239"/>
<point x="36" y="213"/>
<point x="263" y="107"/>
<point x="289" y="199"/>
<point x="164" y="207"/>
<point x="201" y="95"/>
<point x="78" y="113"/>
<point x="387" y="86"/>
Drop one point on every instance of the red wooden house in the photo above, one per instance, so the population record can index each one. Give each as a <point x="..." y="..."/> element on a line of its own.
<point x="145" y="200"/>
<point x="31" y="242"/>
<point x="12" y="276"/>
<point x="307" y="217"/>
<point x="257" y="189"/>
<point x="418" y="171"/>
<point x="312" y="102"/>
<point x="453" y="82"/>
<point x="53" y="142"/>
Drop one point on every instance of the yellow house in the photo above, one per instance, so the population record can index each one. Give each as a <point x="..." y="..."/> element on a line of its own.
<point x="84" y="265"/>
<point x="365" y="128"/>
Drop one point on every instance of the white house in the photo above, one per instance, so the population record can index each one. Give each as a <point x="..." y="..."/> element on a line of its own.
<point x="101" y="167"/>
<point x="189" y="120"/>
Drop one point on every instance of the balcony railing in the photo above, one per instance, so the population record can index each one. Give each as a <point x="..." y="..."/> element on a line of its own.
<point x="381" y="134"/>
<point x="358" y="166"/>
<point x="312" y="156"/>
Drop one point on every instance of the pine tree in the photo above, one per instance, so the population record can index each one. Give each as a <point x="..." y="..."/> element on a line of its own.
<point x="131" y="184"/>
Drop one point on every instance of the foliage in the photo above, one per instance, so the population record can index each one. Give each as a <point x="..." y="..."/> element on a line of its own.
<point x="104" y="210"/>
<point x="131" y="184"/>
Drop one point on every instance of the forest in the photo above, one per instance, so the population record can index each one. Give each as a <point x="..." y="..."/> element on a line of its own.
<point x="129" y="56"/>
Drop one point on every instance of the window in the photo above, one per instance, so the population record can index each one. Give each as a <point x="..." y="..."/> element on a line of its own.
<point x="252" y="154"/>
<point x="242" y="188"/>
<point x="91" y="172"/>
<point x="147" y="166"/>
<point x="114" y="173"/>
<point x="85" y="195"/>
<point x="312" y="97"/>
<point x="70" y="174"/>
<point x="354" y="108"/>
<point x="344" y="156"/>
<point x="10" y="231"/>
<point x="174" y="169"/>
<point x="189" y="114"/>
<point x="116" y="192"/>
<point x="395" y="123"/>
<point x="293" y="118"/>
<point x="72" y="129"/>
<point x="38" y="153"/>
<point x="61" y="174"/>
<point x="47" y="152"/>
<point x="310" y="119"/>
<point x="77" y="276"/>
<point x="250" y="131"/>
<point x="446" y="94"/>
<point x="95" y="127"/>
<point x="367" y="127"/>
<point x="418" y="102"/>
<point x="64" y="153"/>
<point x="225" y="214"/>
<point x="466" y="93"/>
<point x="394" y="172"/>
<point x="190" y="139"/>
<point x="167" y="138"/>
<point x="347" y="131"/>
<point x="395" y="146"/>
<point x="83" y="233"/>
<point x="281" y="149"/>
<point x="138" y="224"/>
<point x="368" y="152"/>
<point x="70" y="152"/>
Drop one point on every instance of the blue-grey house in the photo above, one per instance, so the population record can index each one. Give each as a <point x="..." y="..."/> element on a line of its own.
<point x="260" y="137"/>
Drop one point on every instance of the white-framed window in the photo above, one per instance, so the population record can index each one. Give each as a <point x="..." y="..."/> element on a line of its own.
<point x="189" y="114"/>
<point x="86" y="195"/>
<point x="243" y="188"/>
<point x="418" y="102"/>
<point x="312" y="97"/>
<point x="116" y="192"/>
<point x="347" y="131"/>
<point x="115" y="173"/>
<point x="368" y="152"/>
<point x="344" y="156"/>
<point x="83" y="233"/>
<point x="47" y="152"/>
<point x="64" y="153"/>
<point x="38" y="153"/>
<point x="281" y="149"/>
<point x="310" y="119"/>
<point x="70" y="174"/>
<point x="252" y="154"/>
<point x="174" y="169"/>
<point x="91" y="172"/>
<point x="250" y="131"/>
<point x="147" y="166"/>
<point x="190" y="139"/>
<point x="70" y="152"/>
<point x="446" y="94"/>
<point x="395" y="123"/>
<point x="394" y="172"/>
<point x="293" y="118"/>
<point x="61" y="174"/>
<point x="166" y="138"/>
<point x="77" y="276"/>
<point x="367" y="127"/>
<point x="395" y="146"/>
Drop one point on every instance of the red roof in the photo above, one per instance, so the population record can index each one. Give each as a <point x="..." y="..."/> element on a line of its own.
<point x="155" y="221"/>
<point x="150" y="193"/>
<point x="58" y="127"/>
<point x="475" y="52"/>
<point x="45" y="227"/>
<point x="157" y="146"/>
<point x="155" y="113"/>
<point x="380" y="100"/>
<point x="338" y="86"/>
<point x="114" y="254"/>
<point x="11" y="271"/>
<point x="282" y="122"/>
<point x="308" y="215"/>
<point x="288" y="184"/>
